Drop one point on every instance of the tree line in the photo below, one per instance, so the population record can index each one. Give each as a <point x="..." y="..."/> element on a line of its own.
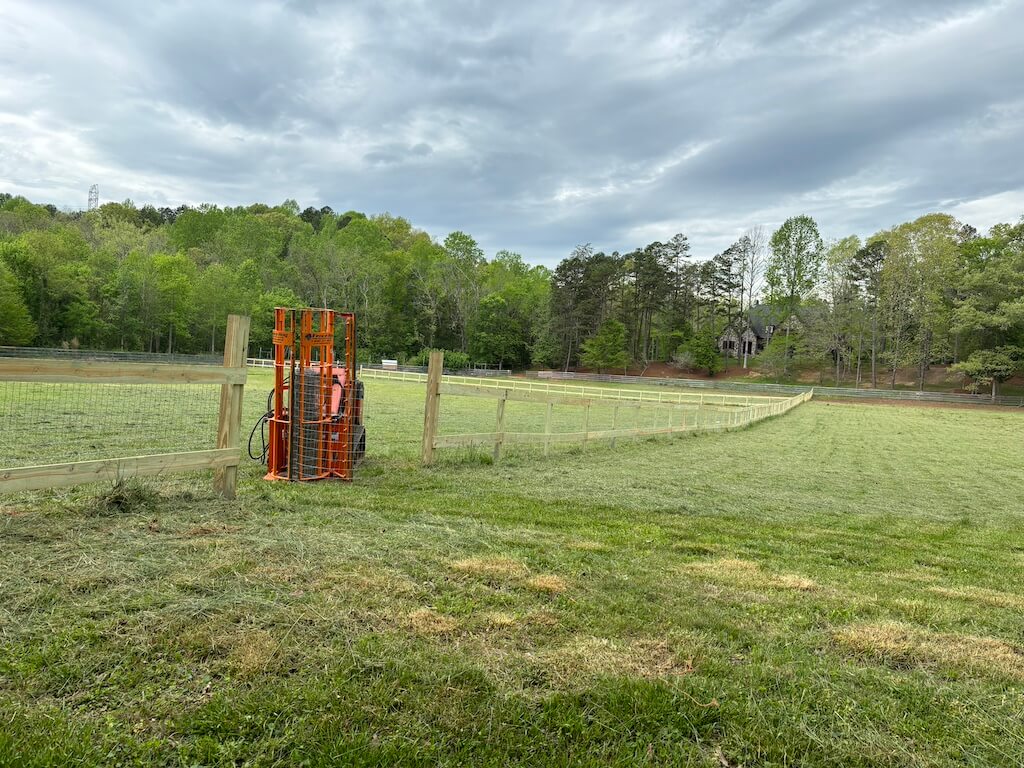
<point x="931" y="291"/>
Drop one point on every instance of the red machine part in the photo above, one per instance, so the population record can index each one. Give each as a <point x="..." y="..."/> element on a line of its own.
<point x="316" y="429"/>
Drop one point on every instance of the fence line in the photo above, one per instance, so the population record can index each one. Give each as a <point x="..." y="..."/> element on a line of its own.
<point x="224" y="459"/>
<point x="784" y="390"/>
<point x="705" y="418"/>
<point x="579" y="391"/>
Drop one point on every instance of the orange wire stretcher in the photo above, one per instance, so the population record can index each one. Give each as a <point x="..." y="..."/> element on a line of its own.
<point x="316" y="415"/>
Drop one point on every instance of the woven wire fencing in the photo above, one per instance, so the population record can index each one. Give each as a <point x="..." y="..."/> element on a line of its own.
<point x="496" y="415"/>
<point x="50" y="423"/>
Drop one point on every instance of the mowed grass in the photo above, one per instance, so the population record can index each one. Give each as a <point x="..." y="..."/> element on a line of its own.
<point x="838" y="586"/>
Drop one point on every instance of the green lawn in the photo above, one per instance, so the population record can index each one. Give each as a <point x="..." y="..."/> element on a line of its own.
<point x="838" y="586"/>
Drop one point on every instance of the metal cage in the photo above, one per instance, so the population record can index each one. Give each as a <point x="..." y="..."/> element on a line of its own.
<point x="316" y="415"/>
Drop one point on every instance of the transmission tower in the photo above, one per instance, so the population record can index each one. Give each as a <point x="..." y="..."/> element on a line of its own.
<point x="94" y="197"/>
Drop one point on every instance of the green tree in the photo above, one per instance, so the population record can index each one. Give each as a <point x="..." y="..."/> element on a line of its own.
<point x="702" y="350"/>
<point x="607" y="348"/>
<point x="991" y="366"/>
<point x="497" y="337"/>
<point x="16" y="326"/>
<point x="261" y="328"/>
<point x="794" y="266"/>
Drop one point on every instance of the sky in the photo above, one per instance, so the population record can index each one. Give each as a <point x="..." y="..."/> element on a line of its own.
<point x="534" y="127"/>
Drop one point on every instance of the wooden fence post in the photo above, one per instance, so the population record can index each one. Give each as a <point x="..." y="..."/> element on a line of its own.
<point x="499" y="429"/>
<point x="432" y="405"/>
<point x="615" y="422"/>
<point x="229" y="422"/>
<point x="586" y="423"/>
<point x="547" y="429"/>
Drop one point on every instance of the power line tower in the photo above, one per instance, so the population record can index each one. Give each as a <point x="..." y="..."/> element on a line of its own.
<point x="94" y="197"/>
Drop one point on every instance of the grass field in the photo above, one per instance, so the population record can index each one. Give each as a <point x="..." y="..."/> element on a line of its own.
<point x="838" y="586"/>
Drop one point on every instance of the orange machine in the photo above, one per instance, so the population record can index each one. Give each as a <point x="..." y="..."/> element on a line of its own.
<point x="316" y="409"/>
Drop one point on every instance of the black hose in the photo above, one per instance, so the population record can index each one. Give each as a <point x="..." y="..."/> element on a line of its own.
<point x="261" y="426"/>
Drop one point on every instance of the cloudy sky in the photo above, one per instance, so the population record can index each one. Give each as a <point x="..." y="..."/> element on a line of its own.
<point x="532" y="126"/>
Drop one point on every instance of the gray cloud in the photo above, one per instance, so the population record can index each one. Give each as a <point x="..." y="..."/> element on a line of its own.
<point x="531" y="126"/>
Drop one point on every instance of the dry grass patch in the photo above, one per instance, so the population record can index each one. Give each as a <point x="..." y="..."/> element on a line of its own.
<point x="372" y="582"/>
<point x="211" y="529"/>
<point x="728" y="566"/>
<point x="585" y="657"/>
<point x="251" y="652"/>
<point x="793" y="581"/>
<point x="491" y="567"/>
<point x="906" y="645"/>
<point x="499" y="619"/>
<point x="588" y="546"/>
<point x="287" y="574"/>
<point x="544" y="619"/>
<point x="547" y="583"/>
<point x="746" y="573"/>
<point x="981" y="595"/>
<point x="427" y="621"/>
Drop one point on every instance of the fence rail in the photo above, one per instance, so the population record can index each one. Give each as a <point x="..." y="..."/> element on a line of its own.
<point x="580" y="391"/>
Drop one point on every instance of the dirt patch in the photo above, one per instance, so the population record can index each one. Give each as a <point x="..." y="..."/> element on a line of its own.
<point x="907" y="646"/>
<point x="547" y="583"/>
<point x="981" y="595"/>
<point x="491" y="567"/>
<point x="427" y="621"/>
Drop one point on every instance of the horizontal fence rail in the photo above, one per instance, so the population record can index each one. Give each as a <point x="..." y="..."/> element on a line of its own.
<point x="753" y="389"/>
<point x="160" y="358"/>
<point x="582" y="391"/>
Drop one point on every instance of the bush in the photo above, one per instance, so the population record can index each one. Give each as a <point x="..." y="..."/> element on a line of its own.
<point x="703" y="353"/>
<point x="453" y="360"/>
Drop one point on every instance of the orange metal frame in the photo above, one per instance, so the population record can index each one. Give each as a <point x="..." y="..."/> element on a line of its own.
<point x="315" y="440"/>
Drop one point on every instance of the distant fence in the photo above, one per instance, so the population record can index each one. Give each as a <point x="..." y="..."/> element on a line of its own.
<point x="783" y="390"/>
<point x="89" y="409"/>
<point x="581" y="391"/>
<point x="674" y="413"/>
<point x="113" y="356"/>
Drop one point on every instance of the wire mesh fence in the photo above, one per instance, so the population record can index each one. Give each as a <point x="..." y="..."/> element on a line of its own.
<point x="49" y="423"/>
<point x="550" y="420"/>
<point x="66" y="420"/>
<point x="470" y="414"/>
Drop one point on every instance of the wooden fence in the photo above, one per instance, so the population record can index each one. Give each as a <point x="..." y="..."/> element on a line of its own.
<point x="580" y="391"/>
<point x="224" y="459"/>
<point x="681" y="412"/>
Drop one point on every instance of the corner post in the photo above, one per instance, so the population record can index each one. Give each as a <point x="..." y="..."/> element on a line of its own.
<point x="229" y="422"/>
